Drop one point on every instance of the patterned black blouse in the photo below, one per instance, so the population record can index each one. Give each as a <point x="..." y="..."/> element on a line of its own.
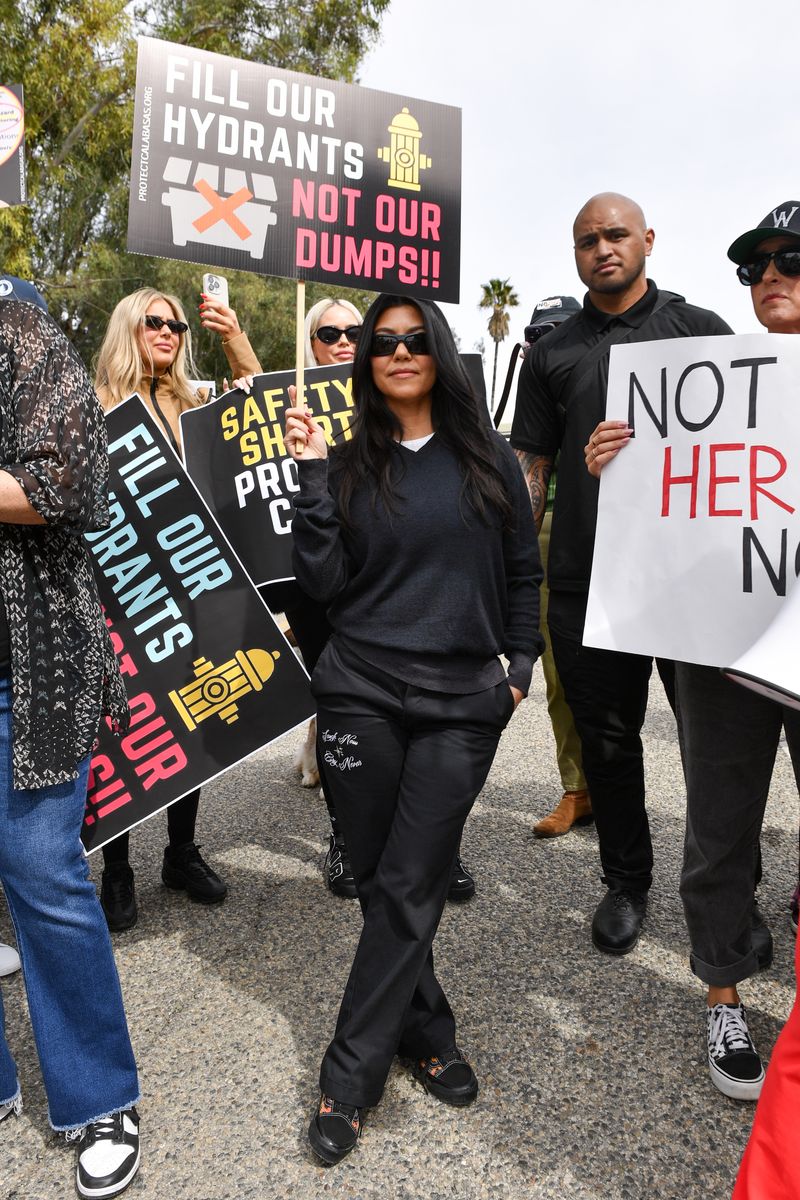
<point x="53" y="441"/>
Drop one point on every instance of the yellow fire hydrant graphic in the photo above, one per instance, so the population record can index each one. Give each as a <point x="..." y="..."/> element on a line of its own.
<point x="403" y="156"/>
<point x="219" y="689"/>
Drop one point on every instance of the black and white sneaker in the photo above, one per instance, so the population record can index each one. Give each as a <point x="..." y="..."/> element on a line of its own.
<point x="337" y="870"/>
<point x="462" y="883"/>
<point x="108" y="1155"/>
<point x="733" y="1060"/>
<point x="12" y="1106"/>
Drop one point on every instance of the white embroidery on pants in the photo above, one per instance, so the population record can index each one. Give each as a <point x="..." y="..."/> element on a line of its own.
<point x="335" y="755"/>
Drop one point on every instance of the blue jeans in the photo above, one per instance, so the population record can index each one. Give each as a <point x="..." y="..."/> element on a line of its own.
<point x="70" y="975"/>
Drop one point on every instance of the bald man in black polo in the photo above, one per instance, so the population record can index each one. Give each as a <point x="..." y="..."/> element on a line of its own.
<point x="560" y="400"/>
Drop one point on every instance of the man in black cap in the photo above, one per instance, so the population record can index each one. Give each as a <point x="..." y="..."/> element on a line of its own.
<point x="574" y="807"/>
<point x="729" y="739"/>
<point x="561" y="398"/>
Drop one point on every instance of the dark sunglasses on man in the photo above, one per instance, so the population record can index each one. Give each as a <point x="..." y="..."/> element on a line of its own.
<point x="329" y="334"/>
<point x="786" y="261"/>
<point x="384" y="344"/>
<point x="153" y="322"/>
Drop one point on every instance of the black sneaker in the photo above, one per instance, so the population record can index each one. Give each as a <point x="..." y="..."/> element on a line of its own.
<point x="618" y="920"/>
<point x="462" y="885"/>
<point x="733" y="1060"/>
<point x="185" y="869"/>
<point x="118" y="896"/>
<point x="447" y="1076"/>
<point x="337" y="870"/>
<point x="108" y="1155"/>
<point x="334" y="1130"/>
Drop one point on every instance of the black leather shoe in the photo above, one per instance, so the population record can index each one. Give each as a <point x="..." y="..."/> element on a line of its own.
<point x="185" y="869"/>
<point x="334" y="1130"/>
<point x="462" y="885"/>
<point x="337" y="870"/>
<point x="618" y="920"/>
<point x="118" y="897"/>
<point x="762" y="938"/>
<point x="447" y="1076"/>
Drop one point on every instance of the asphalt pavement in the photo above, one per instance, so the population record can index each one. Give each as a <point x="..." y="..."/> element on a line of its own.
<point x="594" y="1084"/>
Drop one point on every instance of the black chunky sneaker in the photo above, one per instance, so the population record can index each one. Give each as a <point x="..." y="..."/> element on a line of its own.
<point x="462" y="884"/>
<point x="334" y="1130"/>
<point x="337" y="870"/>
<point x="447" y="1076"/>
<point x="118" y="897"/>
<point x="108" y="1155"/>
<point x="733" y="1060"/>
<point x="185" y="869"/>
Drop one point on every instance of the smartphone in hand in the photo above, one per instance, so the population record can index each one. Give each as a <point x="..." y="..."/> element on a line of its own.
<point x="216" y="288"/>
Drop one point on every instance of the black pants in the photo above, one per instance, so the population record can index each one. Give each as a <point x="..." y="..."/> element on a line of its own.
<point x="729" y="738"/>
<point x="607" y="692"/>
<point x="181" y="820"/>
<point x="404" y="766"/>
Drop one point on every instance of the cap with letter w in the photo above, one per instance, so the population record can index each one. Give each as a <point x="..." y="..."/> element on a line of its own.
<point x="784" y="219"/>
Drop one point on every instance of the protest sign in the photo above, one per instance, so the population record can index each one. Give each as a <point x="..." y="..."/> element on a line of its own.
<point x="696" y="549"/>
<point x="235" y="454"/>
<point x="241" y="165"/>
<point x="210" y="677"/>
<point x="12" y="146"/>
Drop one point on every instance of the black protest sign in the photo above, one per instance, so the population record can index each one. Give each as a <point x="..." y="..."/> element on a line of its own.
<point x="245" y="166"/>
<point x="236" y="456"/>
<point x="210" y="677"/>
<point x="12" y="146"/>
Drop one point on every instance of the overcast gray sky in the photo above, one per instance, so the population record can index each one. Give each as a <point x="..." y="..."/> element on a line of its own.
<point x="688" y="107"/>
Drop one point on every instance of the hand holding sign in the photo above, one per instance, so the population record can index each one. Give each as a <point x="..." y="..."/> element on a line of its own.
<point x="304" y="438"/>
<point x="606" y="441"/>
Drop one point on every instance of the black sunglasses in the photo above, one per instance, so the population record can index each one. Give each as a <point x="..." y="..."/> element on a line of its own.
<point x="384" y="344"/>
<point x="330" y="334"/>
<point x="786" y="261"/>
<point x="153" y="322"/>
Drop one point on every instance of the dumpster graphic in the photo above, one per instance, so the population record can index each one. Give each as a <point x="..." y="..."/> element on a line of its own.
<point x="218" y="690"/>
<point x="236" y="216"/>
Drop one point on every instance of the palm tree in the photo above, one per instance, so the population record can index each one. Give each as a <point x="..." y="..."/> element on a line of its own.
<point x="498" y="295"/>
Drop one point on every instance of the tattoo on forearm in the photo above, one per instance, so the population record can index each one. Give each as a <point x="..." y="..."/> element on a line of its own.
<point x="537" y="469"/>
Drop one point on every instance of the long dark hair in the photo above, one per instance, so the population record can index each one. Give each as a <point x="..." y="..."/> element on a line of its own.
<point x="370" y="455"/>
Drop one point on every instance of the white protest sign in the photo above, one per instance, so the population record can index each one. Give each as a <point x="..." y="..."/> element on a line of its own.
<point x="698" y="521"/>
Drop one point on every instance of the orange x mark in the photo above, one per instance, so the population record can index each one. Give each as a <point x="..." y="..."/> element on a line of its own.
<point x="222" y="209"/>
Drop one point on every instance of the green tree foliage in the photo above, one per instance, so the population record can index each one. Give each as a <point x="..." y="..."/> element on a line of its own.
<point x="498" y="295"/>
<point x="77" y="61"/>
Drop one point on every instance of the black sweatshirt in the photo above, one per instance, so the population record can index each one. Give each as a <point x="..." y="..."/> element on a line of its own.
<point x="433" y="593"/>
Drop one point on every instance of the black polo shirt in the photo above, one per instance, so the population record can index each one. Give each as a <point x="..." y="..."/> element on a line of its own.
<point x="547" y="420"/>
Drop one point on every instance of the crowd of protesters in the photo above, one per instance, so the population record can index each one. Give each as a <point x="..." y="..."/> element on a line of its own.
<point x="418" y="545"/>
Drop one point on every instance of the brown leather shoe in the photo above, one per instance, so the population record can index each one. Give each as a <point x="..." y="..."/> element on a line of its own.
<point x="574" y="808"/>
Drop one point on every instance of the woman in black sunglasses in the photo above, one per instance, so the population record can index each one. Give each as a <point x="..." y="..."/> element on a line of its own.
<point x="417" y="533"/>
<point x="147" y="350"/>
<point x="331" y="328"/>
